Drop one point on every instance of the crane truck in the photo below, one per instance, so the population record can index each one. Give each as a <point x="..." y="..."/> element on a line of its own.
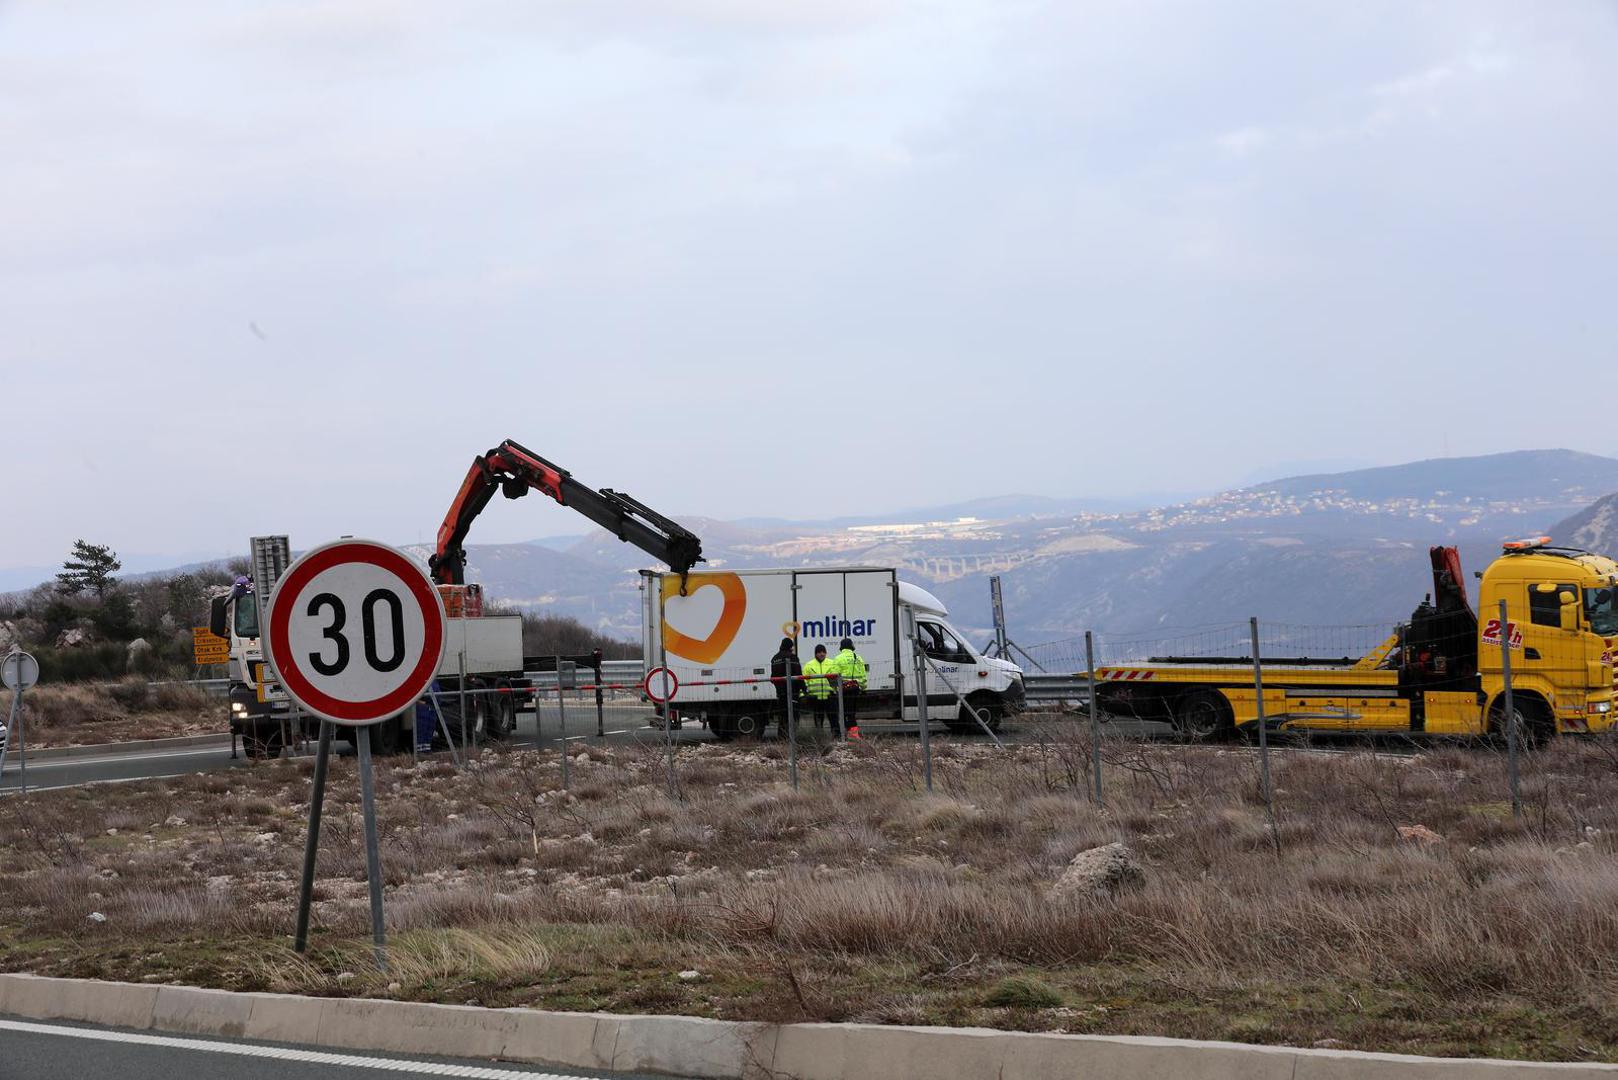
<point x="483" y="651"/>
<point x="1441" y="672"/>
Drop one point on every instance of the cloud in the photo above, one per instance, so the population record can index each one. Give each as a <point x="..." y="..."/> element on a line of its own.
<point x="1074" y="232"/>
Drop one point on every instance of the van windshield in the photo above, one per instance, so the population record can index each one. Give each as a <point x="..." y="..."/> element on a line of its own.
<point x="1601" y="606"/>
<point x="246" y="617"/>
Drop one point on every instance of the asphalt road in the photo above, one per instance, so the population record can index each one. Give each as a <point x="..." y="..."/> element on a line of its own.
<point x="40" y="1050"/>
<point x="623" y="725"/>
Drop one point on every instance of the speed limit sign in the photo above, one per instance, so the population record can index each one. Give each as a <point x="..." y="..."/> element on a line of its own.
<point x="356" y="631"/>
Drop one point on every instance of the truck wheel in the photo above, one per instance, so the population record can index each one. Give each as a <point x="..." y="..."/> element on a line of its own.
<point x="1203" y="715"/>
<point x="385" y="736"/>
<point x="748" y="727"/>
<point x="723" y="727"/>
<point x="502" y="707"/>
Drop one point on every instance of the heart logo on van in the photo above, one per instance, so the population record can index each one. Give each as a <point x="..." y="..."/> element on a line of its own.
<point x="705" y="650"/>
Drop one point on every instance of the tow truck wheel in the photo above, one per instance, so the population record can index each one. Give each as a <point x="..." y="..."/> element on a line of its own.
<point x="747" y="727"/>
<point x="1203" y="715"/>
<point x="1534" y="722"/>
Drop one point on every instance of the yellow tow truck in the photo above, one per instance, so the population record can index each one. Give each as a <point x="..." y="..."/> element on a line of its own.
<point x="1439" y="673"/>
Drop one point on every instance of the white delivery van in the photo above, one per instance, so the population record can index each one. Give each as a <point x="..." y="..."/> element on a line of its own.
<point x="717" y="630"/>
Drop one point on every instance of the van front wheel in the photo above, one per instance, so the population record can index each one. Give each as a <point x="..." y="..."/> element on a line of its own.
<point x="965" y="723"/>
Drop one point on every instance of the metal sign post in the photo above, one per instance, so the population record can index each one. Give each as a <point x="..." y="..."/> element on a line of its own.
<point x="18" y="671"/>
<point x="355" y="633"/>
<point x="317" y="799"/>
<point x="998" y="608"/>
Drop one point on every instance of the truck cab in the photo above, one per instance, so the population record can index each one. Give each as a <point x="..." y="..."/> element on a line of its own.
<point x="1561" y="630"/>
<point x="955" y="668"/>
<point x="259" y="711"/>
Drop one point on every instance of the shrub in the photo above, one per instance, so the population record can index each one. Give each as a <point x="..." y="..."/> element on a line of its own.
<point x="1022" y="992"/>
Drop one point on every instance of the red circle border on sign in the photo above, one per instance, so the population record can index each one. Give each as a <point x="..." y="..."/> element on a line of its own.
<point x="646" y="685"/>
<point x="357" y="713"/>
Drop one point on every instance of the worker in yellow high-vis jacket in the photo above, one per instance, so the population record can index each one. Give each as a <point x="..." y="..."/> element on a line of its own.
<point x="849" y="668"/>
<point x="817" y="690"/>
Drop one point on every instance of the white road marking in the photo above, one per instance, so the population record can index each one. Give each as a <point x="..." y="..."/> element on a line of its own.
<point x="283" y="1053"/>
<point x="69" y="762"/>
<point x="91" y="783"/>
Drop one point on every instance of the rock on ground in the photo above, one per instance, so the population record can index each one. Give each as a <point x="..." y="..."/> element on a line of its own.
<point x="1101" y="871"/>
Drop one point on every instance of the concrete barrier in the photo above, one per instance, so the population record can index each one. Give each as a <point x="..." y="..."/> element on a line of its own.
<point x="717" y="1049"/>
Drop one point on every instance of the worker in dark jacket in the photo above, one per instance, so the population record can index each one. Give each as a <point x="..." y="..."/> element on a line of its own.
<point x="785" y="669"/>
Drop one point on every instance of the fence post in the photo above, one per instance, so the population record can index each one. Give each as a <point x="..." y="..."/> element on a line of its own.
<point x="1263" y="731"/>
<point x="1508" y="714"/>
<point x="792" y="728"/>
<point x="926" y="721"/>
<point x="561" y="726"/>
<point x="1095" y="720"/>
<point x="443" y="725"/>
<point x="842" y="723"/>
<point x="668" y="704"/>
<point x="461" y="690"/>
<point x="601" y="715"/>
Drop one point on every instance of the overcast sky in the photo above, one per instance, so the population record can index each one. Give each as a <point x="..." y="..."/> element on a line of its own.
<point x="288" y="267"/>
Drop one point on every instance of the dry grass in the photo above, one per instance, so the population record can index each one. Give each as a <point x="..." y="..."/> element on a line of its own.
<point x="860" y="896"/>
<point x="75" y="714"/>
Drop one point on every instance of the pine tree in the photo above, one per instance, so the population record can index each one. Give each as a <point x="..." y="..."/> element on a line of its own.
<point x="90" y="566"/>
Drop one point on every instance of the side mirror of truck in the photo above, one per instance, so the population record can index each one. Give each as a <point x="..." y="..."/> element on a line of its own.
<point x="1569" y="610"/>
<point x="216" y="618"/>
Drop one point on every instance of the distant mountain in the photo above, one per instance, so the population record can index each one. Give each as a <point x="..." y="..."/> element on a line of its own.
<point x="991" y="506"/>
<point x="559" y="543"/>
<point x="1325" y="549"/>
<point x="1520" y="474"/>
<point x="1595" y="528"/>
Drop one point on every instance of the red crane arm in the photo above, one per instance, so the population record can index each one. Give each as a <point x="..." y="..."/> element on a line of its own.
<point x="514" y="469"/>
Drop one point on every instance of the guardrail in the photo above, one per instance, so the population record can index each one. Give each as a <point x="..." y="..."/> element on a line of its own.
<point x="1043" y="689"/>
<point x="612" y="671"/>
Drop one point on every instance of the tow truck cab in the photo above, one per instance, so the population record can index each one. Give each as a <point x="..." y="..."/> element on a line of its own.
<point x="1563" y="634"/>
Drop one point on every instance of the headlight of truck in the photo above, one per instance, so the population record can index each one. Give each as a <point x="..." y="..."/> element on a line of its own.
<point x="1601" y="706"/>
<point x="238" y="709"/>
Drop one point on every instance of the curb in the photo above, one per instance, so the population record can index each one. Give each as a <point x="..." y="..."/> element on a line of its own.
<point x="720" y="1049"/>
<point x="113" y="749"/>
